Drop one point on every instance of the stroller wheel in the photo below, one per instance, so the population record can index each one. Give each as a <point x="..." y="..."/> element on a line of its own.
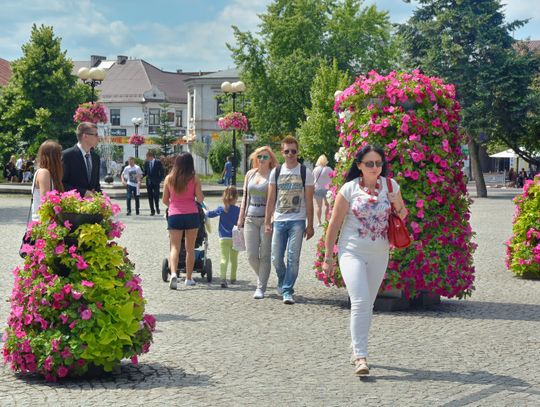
<point x="208" y="270"/>
<point x="165" y="269"/>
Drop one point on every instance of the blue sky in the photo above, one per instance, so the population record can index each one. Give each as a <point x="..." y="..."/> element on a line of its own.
<point x="170" y="34"/>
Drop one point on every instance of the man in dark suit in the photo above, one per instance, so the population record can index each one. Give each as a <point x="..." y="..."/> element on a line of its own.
<point x="81" y="162"/>
<point x="153" y="171"/>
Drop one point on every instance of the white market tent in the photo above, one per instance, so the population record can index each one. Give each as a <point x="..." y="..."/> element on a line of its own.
<point x="505" y="154"/>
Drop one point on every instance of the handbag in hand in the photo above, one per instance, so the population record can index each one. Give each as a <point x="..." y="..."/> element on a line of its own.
<point x="238" y="240"/>
<point x="398" y="235"/>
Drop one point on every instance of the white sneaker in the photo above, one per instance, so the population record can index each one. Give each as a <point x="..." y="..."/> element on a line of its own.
<point x="259" y="294"/>
<point x="190" y="282"/>
<point x="174" y="282"/>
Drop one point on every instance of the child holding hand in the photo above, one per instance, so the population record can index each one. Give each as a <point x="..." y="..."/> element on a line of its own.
<point x="228" y="217"/>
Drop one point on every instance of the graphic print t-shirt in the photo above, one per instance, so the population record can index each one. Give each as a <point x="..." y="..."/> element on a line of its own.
<point x="132" y="174"/>
<point x="290" y="204"/>
<point x="366" y="223"/>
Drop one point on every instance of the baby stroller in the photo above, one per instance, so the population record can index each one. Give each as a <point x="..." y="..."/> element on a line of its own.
<point x="202" y="264"/>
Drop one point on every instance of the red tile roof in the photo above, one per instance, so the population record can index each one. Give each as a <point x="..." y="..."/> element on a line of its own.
<point x="5" y="72"/>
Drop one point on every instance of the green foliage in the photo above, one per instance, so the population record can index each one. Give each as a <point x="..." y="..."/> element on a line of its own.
<point x="296" y="37"/>
<point x="318" y="135"/>
<point x="41" y="97"/>
<point x="220" y="150"/>
<point x="523" y="248"/>
<point x="164" y="131"/>
<point x="468" y="43"/>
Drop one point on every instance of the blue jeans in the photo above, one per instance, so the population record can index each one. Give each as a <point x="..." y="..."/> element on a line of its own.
<point x="288" y="235"/>
<point x="132" y="191"/>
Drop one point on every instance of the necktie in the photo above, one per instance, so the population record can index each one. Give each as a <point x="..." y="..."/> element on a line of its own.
<point x="88" y="166"/>
<point x="151" y="165"/>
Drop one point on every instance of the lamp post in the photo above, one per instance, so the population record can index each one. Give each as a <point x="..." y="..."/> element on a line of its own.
<point x="92" y="77"/>
<point x="137" y="121"/>
<point x="233" y="89"/>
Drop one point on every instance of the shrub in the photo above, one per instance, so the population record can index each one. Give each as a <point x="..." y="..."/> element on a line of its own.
<point x="415" y="119"/>
<point x="523" y="248"/>
<point x="220" y="150"/>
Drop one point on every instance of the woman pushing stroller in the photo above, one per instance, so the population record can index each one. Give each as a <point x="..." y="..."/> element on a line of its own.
<point x="181" y="192"/>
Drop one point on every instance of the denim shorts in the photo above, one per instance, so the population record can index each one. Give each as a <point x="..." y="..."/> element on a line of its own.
<point x="320" y="193"/>
<point x="184" y="222"/>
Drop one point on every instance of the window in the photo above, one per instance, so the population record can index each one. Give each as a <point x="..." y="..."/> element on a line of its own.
<point x="179" y="118"/>
<point x="219" y="105"/>
<point x="153" y="121"/>
<point x="191" y="105"/>
<point x="115" y="117"/>
<point x="170" y="117"/>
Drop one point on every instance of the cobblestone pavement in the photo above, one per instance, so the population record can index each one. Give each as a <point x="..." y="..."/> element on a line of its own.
<point x="217" y="347"/>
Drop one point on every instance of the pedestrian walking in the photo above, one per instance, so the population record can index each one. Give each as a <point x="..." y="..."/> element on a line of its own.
<point x="181" y="192"/>
<point x="321" y="174"/>
<point x="252" y="212"/>
<point x="361" y="212"/>
<point x="288" y="207"/>
<point x="154" y="173"/>
<point x="81" y="162"/>
<point x="228" y="217"/>
<point x="10" y="171"/>
<point x="131" y="178"/>
<point x="19" y="165"/>
<point x="226" y="175"/>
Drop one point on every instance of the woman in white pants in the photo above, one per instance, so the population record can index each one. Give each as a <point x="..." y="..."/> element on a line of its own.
<point x="361" y="212"/>
<point x="252" y="211"/>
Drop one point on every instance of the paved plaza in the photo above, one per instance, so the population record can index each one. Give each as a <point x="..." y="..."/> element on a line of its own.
<point x="217" y="347"/>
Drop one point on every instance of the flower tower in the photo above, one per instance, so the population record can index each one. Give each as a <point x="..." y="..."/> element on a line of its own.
<point x="415" y="119"/>
<point x="523" y="248"/>
<point x="76" y="303"/>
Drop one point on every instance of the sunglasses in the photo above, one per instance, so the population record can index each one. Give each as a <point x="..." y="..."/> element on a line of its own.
<point x="371" y="164"/>
<point x="263" y="157"/>
<point x="292" y="151"/>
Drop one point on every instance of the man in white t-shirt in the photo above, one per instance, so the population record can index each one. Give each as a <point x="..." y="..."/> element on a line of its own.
<point x="289" y="205"/>
<point x="131" y="177"/>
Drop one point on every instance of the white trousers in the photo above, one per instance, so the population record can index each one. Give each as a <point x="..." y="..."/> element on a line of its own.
<point x="363" y="274"/>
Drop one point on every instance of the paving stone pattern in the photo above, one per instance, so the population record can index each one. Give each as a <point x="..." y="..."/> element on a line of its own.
<point x="217" y="347"/>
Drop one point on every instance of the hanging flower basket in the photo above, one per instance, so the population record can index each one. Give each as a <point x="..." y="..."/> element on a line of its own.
<point x="90" y="112"/>
<point x="136" y="139"/>
<point x="233" y="121"/>
<point x="76" y="303"/>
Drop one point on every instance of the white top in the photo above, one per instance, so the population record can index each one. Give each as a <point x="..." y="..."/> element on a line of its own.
<point x="19" y="164"/>
<point x="322" y="177"/>
<point x="291" y="203"/>
<point x="36" y="196"/>
<point x="132" y="175"/>
<point x="366" y="223"/>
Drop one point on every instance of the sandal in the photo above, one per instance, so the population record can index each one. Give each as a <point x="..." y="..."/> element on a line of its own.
<point x="361" y="367"/>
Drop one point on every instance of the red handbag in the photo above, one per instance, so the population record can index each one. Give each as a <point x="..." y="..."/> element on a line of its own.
<point x="398" y="235"/>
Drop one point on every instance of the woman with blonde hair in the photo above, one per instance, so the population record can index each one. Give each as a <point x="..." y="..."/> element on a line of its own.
<point x="181" y="192"/>
<point x="252" y="211"/>
<point x="49" y="174"/>
<point x="321" y="174"/>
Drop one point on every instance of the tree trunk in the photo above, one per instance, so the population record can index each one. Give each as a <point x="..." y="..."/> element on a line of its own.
<point x="481" y="190"/>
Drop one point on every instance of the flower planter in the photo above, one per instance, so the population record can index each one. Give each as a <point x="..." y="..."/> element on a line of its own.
<point x="78" y="219"/>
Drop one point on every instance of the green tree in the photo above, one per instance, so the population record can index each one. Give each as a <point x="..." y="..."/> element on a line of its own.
<point x="220" y="150"/>
<point x="468" y="43"/>
<point x="317" y="134"/>
<point x="42" y="95"/>
<point x="296" y="36"/>
<point x="164" y="131"/>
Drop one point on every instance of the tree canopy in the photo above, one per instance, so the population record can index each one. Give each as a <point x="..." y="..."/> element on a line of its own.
<point x="296" y="36"/>
<point x="41" y="97"/>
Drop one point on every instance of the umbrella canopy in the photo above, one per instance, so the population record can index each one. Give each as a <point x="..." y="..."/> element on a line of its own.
<point x="505" y="154"/>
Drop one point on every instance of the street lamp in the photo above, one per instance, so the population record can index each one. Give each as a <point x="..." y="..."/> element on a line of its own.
<point x="92" y="77"/>
<point x="137" y="121"/>
<point x="233" y="89"/>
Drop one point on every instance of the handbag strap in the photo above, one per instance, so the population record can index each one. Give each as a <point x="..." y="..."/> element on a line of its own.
<point x="390" y="190"/>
